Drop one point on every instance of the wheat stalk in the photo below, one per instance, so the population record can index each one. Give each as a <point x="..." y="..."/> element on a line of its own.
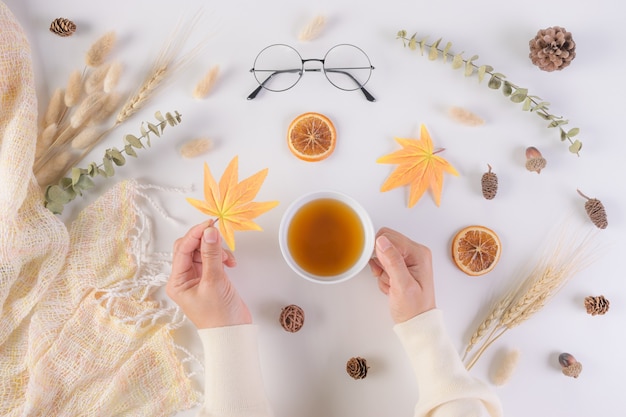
<point x="569" y="257"/>
<point x="167" y="63"/>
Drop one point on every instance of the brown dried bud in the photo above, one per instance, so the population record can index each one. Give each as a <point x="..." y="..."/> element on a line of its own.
<point x="489" y="183"/>
<point x="596" y="305"/>
<point x="292" y="318"/>
<point x="357" y="368"/>
<point x="570" y="366"/>
<point x="535" y="162"/>
<point x="596" y="212"/>
<point x="62" y="27"/>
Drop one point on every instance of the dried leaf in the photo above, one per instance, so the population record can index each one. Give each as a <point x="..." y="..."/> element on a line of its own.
<point x="313" y="29"/>
<point x="133" y="141"/>
<point x="446" y="51"/>
<point x="231" y="201"/>
<point x="573" y="132"/>
<point x="418" y="166"/>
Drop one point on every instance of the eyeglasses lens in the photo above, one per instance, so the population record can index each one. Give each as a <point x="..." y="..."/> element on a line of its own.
<point x="347" y="67"/>
<point x="278" y="67"/>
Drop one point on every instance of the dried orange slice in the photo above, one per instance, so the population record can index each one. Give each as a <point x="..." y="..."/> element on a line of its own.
<point x="476" y="250"/>
<point x="311" y="137"/>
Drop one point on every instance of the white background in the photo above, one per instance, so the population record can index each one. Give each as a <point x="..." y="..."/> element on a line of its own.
<point x="304" y="372"/>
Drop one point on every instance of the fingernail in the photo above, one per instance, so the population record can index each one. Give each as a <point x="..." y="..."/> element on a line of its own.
<point x="210" y="235"/>
<point x="382" y="243"/>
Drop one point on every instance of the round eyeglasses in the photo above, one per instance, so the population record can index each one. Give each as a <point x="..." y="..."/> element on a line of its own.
<point x="279" y="67"/>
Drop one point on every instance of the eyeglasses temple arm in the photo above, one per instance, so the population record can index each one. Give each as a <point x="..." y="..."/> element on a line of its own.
<point x="366" y="93"/>
<point x="262" y="84"/>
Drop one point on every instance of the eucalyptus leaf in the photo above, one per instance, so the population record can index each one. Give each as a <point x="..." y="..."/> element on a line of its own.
<point x="446" y="51"/>
<point x="434" y="51"/>
<point x="573" y="132"/>
<point x="85" y="183"/>
<point x="154" y="129"/>
<point x="130" y="151"/>
<point x="519" y="95"/>
<point x="170" y="119"/>
<point x="56" y="194"/>
<point x="422" y="44"/>
<point x="92" y="171"/>
<point x="482" y="70"/>
<point x="527" y="104"/>
<point x="401" y="34"/>
<point x="575" y="147"/>
<point x="75" y="175"/>
<point x="107" y="164"/>
<point x="506" y="88"/>
<point x="469" y="69"/>
<point x="178" y="116"/>
<point x="494" y="82"/>
<point x="116" y="156"/>
<point x="159" y="116"/>
<point x="563" y="135"/>
<point x="457" y="61"/>
<point x="134" y="141"/>
<point x="55" y="208"/>
<point x="413" y="43"/>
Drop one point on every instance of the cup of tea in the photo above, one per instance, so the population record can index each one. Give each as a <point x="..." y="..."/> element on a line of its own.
<point x="326" y="237"/>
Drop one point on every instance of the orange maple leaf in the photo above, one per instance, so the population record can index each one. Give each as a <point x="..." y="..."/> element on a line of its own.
<point x="231" y="201"/>
<point x="419" y="166"/>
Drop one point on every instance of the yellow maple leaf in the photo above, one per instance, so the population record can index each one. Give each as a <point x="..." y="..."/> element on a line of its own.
<point x="419" y="166"/>
<point x="231" y="201"/>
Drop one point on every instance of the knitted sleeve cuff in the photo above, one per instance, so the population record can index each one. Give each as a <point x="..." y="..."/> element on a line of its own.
<point x="233" y="381"/>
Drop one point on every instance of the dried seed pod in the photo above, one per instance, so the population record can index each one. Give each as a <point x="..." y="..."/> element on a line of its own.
<point x="489" y="183"/>
<point x="570" y="366"/>
<point x="596" y="305"/>
<point x="357" y="367"/>
<point x="535" y="162"/>
<point x="595" y="211"/>
<point x="62" y="27"/>
<point x="292" y="318"/>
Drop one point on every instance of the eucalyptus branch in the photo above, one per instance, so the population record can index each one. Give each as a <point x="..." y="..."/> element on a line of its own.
<point x="515" y="93"/>
<point x="80" y="179"/>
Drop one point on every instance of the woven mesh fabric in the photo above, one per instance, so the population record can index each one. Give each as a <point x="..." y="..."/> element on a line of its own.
<point x="71" y="341"/>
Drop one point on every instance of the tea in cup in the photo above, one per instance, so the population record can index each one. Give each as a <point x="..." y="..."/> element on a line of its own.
<point x="326" y="237"/>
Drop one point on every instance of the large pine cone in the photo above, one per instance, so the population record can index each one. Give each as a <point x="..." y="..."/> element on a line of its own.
<point x="552" y="49"/>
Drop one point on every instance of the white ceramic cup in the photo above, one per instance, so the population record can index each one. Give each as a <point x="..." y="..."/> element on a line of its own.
<point x="368" y="234"/>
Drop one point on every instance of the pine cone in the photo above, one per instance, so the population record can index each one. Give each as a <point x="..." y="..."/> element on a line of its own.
<point x="357" y="368"/>
<point x="292" y="318"/>
<point x="489" y="183"/>
<point x="595" y="211"/>
<point x="62" y="27"/>
<point x="596" y="305"/>
<point x="552" y="49"/>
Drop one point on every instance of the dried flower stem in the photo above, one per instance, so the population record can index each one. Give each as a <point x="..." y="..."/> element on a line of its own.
<point x="496" y="81"/>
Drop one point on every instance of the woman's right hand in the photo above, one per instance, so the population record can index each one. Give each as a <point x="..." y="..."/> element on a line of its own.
<point x="405" y="273"/>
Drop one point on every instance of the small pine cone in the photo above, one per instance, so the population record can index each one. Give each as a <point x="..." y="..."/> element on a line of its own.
<point x="63" y="27"/>
<point x="489" y="183"/>
<point x="357" y="368"/>
<point x="292" y="318"/>
<point x="596" y="212"/>
<point x="596" y="305"/>
<point x="552" y="49"/>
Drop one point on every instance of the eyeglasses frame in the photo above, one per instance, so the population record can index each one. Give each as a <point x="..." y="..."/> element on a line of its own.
<point x="302" y="70"/>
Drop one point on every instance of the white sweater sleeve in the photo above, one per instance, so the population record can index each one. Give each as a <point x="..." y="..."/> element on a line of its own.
<point x="233" y="381"/>
<point x="445" y="387"/>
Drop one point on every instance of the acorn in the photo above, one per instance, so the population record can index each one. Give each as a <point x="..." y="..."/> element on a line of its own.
<point x="535" y="162"/>
<point x="489" y="183"/>
<point x="570" y="366"/>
